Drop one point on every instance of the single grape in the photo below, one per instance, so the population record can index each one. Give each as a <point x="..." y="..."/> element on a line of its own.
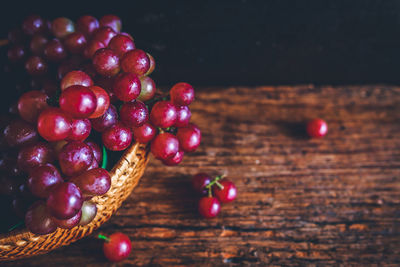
<point x="126" y="87"/>
<point x="102" y="101"/>
<point x="55" y="51"/>
<point x="209" y="207"/>
<point x="226" y="191"/>
<point x="33" y="24"/>
<point x="97" y="153"/>
<point x="61" y="27"/>
<point x="175" y="160"/>
<point x="92" y="47"/>
<point x="20" y="133"/>
<point x="75" y="157"/>
<point x="80" y="129"/>
<point x="134" y="114"/>
<point x="38" y="44"/>
<point x="152" y="64"/>
<point x="164" y="146"/>
<point x="118" y="137"/>
<point x="89" y="211"/>
<point x="64" y="201"/>
<point x="69" y="223"/>
<point x="38" y="219"/>
<point x="183" y="116"/>
<point x="121" y="44"/>
<point x="135" y="61"/>
<point x="106" y="62"/>
<point x="111" y="21"/>
<point x="108" y="119"/>
<point x="75" y="42"/>
<point x="182" y="94"/>
<point x="42" y="179"/>
<point x="54" y="124"/>
<point x="30" y="104"/>
<point x="87" y="25"/>
<point x="200" y="181"/>
<point x="16" y="53"/>
<point x="189" y="137"/>
<point x="163" y="114"/>
<point x="36" y="66"/>
<point x="104" y="35"/>
<point x="144" y="133"/>
<point x="94" y="182"/>
<point x="117" y="247"/>
<point x="317" y="128"/>
<point x="76" y="77"/>
<point x="148" y="89"/>
<point x="79" y="101"/>
<point x="35" y="155"/>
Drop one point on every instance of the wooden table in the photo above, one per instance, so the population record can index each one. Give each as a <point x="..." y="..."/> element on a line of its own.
<point x="330" y="201"/>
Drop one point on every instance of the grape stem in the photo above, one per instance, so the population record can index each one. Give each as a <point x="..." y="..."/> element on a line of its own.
<point x="103" y="237"/>
<point x="16" y="226"/>
<point x="104" y="162"/>
<point x="215" y="182"/>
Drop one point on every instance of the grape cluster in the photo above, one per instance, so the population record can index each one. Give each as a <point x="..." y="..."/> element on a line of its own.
<point x="87" y="81"/>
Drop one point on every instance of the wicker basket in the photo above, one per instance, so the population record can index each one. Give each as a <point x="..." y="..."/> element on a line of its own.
<point x="124" y="176"/>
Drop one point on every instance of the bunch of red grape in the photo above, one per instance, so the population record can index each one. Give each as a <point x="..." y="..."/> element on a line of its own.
<point x="214" y="192"/>
<point x="82" y="76"/>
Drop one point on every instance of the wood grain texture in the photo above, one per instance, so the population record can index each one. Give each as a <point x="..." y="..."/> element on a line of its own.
<point x="301" y="202"/>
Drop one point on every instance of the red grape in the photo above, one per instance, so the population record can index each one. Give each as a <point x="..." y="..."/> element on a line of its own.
<point x="200" y="181"/>
<point x="182" y="94"/>
<point x="20" y="133"/>
<point x="94" y="182"/>
<point x="104" y="35"/>
<point x="121" y="44"/>
<point x="35" y="155"/>
<point x="75" y="157"/>
<point x="36" y="66"/>
<point x="37" y="44"/>
<point x="33" y="24"/>
<point x="117" y="248"/>
<point x="16" y="53"/>
<point x="69" y="223"/>
<point x="189" y="137"/>
<point x="108" y="119"/>
<point x="79" y="101"/>
<point x="111" y="21"/>
<point x="38" y="219"/>
<point x="76" y="77"/>
<point x="126" y="87"/>
<point x="144" y="133"/>
<point x="118" y="137"/>
<point x="80" y="129"/>
<point x="148" y="89"/>
<point x="89" y="211"/>
<point x="135" y="61"/>
<point x="175" y="160"/>
<point x="317" y="128"/>
<point x="31" y="104"/>
<point x="102" y="100"/>
<point x="42" y="179"/>
<point x="164" y="146"/>
<point x="97" y="153"/>
<point x="227" y="193"/>
<point x="55" y="51"/>
<point x="92" y="47"/>
<point x="106" y="62"/>
<point x="75" y="42"/>
<point x="163" y="114"/>
<point x="209" y="207"/>
<point x="134" y="114"/>
<point x="54" y="124"/>
<point x="183" y="115"/>
<point x="87" y="25"/>
<point x="64" y="201"/>
<point x="61" y="27"/>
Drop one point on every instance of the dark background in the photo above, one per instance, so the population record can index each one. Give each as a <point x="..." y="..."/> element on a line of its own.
<point x="235" y="42"/>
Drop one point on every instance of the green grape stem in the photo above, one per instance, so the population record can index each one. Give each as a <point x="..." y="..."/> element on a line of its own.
<point x="103" y="237"/>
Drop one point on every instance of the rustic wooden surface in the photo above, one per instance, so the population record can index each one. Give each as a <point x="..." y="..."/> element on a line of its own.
<point x="318" y="202"/>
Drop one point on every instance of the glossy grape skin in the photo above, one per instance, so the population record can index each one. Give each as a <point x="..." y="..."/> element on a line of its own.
<point x="16" y="53"/>
<point x="209" y="207"/>
<point x="30" y="104"/>
<point x="135" y="61"/>
<point x="106" y="62"/>
<point x="148" y="89"/>
<point x="117" y="138"/>
<point x="92" y="47"/>
<point x="189" y="137"/>
<point x="89" y="211"/>
<point x="64" y="201"/>
<point x="33" y="24"/>
<point x="117" y="248"/>
<point x="102" y="101"/>
<point x="38" y="219"/>
<point x="75" y="157"/>
<point x="54" y="124"/>
<point x="163" y="114"/>
<point x="38" y="44"/>
<point x="80" y="129"/>
<point x="61" y="27"/>
<point x="36" y="66"/>
<point x="182" y="94"/>
<point x="42" y="179"/>
<point x="87" y="24"/>
<point x="97" y="153"/>
<point x="69" y="223"/>
<point x="226" y="194"/>
<point x="121" y="44"/>
<point x="104" y="35"/>
<point x="144" y="133"/>
<point x="35" y="155"/>
<point x="127" y="87"/>
<point x="152" y="64"/>
<point x="93" y="165"/>
<point x="79" y="101"/>
<point x="76" y="77"/>
<point x="175" y="160"/>
<point x="55" y="51"/>
<point x="317" y="128"/>
<point x="20" y="133"/>
<point x="75" y="43"/>
<point x="108" y="119"/>
<point x="164" y="146"/>
<point x="111" y="21"/>
<point x="200" y="181"/>
<point x="183" y="116"/>
<point x="134" y="114"/>
<point x="94" y="182"/>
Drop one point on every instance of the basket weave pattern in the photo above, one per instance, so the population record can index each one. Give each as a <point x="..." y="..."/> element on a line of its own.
<point x="124" y="177"/>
